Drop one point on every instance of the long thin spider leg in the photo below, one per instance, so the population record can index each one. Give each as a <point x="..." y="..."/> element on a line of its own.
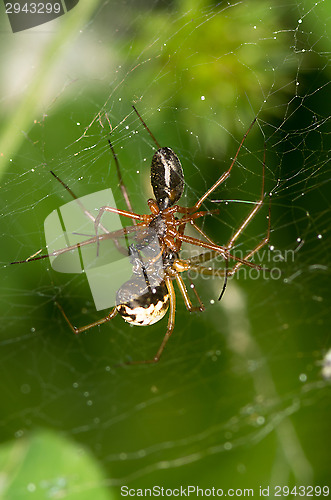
<point x="180" y="230"/>
<point x="194" y="263"/>
<point x="209" y="255"/>
<point x="250" y="216"/>
<point x="170" y="327"/>
<point x="222" y="250"/>
<point x="252" y="213"/>
<point x="81" y="329"/>
<point x="124" y="213"/>
<point x="113" y="235"/>
<point x="124" y="191"/>
<point x="86" y="212"/>
<point x="200" y="231"/>
<point x="207" y="271"/>
<point x="196" y="215"/>
<point x="225" y="279"/>
<point x="202" y="307"/>
<point x="226" y="174"/>
<point x="187" y="300"/>
<point x="150" y="133"/>
<point x="226" y="260"/>
<point x="260" y="245"/>
<point x="204" y="257"/>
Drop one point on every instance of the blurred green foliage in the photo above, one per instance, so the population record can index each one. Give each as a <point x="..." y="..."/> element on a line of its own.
<point x="221" y="58"/>
<point x="44" y="465"/>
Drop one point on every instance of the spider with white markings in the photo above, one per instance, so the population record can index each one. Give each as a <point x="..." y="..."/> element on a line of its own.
<point x="146" y="297"/>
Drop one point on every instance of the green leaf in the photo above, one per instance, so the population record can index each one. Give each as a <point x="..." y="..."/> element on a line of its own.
<point x="46" y="465"/>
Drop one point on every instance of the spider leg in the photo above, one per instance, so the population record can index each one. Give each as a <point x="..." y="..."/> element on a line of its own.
<point x="256" y="249"/>
<point x="122" y="186"/>
<point x="86" y="212"/>
<point x="76" y="330"/>
<point x="150" y="133"/>
<point x="207" y="258"/>
<point x="200" y="231"/>
<point x="223" y="176"/>
<point x="170" y="327"/>
<point x="80" y="204"/>
<point x="218" y="248"/>
<point x="114" y="235"/>
<point x="124" y="191"/>
<point x="197" y="259"/>
<point x="194" y="263"/>
<point x="180" y="229"/>
<point x="225" y="279"/>
<point x="252" y="213"/>
<point x="124" y="213"/>
<point x="247" y="220"/>
<point x="171" y="319"/>
<point x="207" y="271"/>
<point x="188" y="218"/>
<point x="187" y="300"/>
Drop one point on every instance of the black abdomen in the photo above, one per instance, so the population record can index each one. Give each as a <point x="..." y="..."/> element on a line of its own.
<point x="167" y="178"/>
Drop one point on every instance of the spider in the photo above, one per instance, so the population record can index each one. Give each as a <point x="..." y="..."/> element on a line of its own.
<point x="146" y="297"/>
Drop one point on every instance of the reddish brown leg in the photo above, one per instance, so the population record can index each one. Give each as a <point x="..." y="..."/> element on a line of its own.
<point x="225" y="175"/>
<point x="81" y="329"/>
<point x="170" y="327"/>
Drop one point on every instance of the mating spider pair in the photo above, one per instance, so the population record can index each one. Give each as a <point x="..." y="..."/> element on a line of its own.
<point x="145" y="298"/>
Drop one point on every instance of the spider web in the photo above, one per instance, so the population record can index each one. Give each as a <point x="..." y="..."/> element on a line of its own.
<point x="240" y="397"/>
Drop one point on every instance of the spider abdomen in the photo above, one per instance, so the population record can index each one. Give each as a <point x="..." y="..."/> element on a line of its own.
<point x="141" y="304"/>
<point x="167" y="178"/>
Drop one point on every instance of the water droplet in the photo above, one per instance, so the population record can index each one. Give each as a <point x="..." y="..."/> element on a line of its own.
<point x="260" y="420"/>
